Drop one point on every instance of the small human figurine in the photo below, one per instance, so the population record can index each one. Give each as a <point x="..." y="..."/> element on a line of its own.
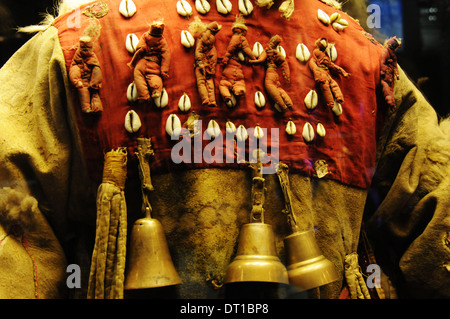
<point x="205" y="59"/>
<point x="150" y="63"/>
<point x="389" y="70"/>
<point x="232" y="80"/>
<point x="274" y="61"/>
<point x="85" y="72"/>
<point x="321" y="66"/>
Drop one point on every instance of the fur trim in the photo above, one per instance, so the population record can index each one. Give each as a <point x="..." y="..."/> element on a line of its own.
<point x="17" y="208"/>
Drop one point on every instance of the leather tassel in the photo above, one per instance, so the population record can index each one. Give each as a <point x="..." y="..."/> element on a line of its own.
<point x="107" y="273"/>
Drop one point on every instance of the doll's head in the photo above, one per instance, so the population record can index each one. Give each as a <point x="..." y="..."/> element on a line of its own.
<point x="157" y="29"/>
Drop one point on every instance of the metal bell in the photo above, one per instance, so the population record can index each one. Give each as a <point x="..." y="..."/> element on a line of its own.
<point x="307" y="267"/>
<point x="256" y="258"/>
<point x="150" y="264"/>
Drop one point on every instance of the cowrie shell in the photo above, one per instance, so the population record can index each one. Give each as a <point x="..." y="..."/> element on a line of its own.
<point x="331" y="51"/>
<point x="173" y="126"/>
<point x="302" y="53"/>
<point x="281" y="50"/>
<point x="260" y="100"/>
<point x="335" y="17"/>
<point x="311" y="100"/>
<point x="232" y="102"/>
<point x="323" y="17"/>
<point x="258" y="132"/>
<point x="343" y="22"/>
<point x="132" y="122"/>
<point x="163" y="100"/>
<point x="257" y="49"/>
<point x="187" y="40"/>
<point x="245" y="7"/>
<point x="338" y="27"/>
<point x="184" y="8"/>
<point x="131" y="42"/>
<point x="127" y="8"/>
<point x="202" y="6"/>
<point x="241" y="56"/>
<point x="337" y="109"/>
<point x="308" y="132"/>
<point x="132" y="93"/>
<point x="241" y="133"/>
<point x="320" y="130"/>
<point x="291" y="128"/>
<point x="230" y="127"/>
<point x="213" y="129"/>
<point x="184" y="103"/>
<point x="224" y="6"/>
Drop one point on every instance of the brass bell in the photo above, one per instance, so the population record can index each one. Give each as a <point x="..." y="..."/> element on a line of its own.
<point x="256" y="258"/>
<point x="150" y="264"/>
<point x="307" y="267"/>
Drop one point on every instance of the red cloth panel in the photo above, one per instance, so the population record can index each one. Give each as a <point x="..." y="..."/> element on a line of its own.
<point x="349" y="147"/>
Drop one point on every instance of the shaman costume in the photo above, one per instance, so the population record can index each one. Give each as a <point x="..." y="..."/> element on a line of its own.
<point x="373" y="190"/>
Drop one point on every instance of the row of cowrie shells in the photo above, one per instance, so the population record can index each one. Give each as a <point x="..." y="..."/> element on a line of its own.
<point x="335" y="20"/>
<point x="203" y="7"/>
<point x="173" y="129"/>
<point x="308" y="131"/>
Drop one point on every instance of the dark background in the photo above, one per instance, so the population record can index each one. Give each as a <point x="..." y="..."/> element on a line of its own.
<point x="425" y="55"/>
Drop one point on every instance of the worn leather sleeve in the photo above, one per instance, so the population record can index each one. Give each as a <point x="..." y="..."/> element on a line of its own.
<point x="408" y="208"/>
<point x="35" y="170"/>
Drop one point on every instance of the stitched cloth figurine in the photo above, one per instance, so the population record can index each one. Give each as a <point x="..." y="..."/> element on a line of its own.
<point x="321" y="65"/>
<point x="232" y="76"/>
<point x="389" y="70"/>
<point x="86" y="75"/>
<point x="275" y="60"/>
<point x="205" y="60"/>
<point x="150" y="63"/>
